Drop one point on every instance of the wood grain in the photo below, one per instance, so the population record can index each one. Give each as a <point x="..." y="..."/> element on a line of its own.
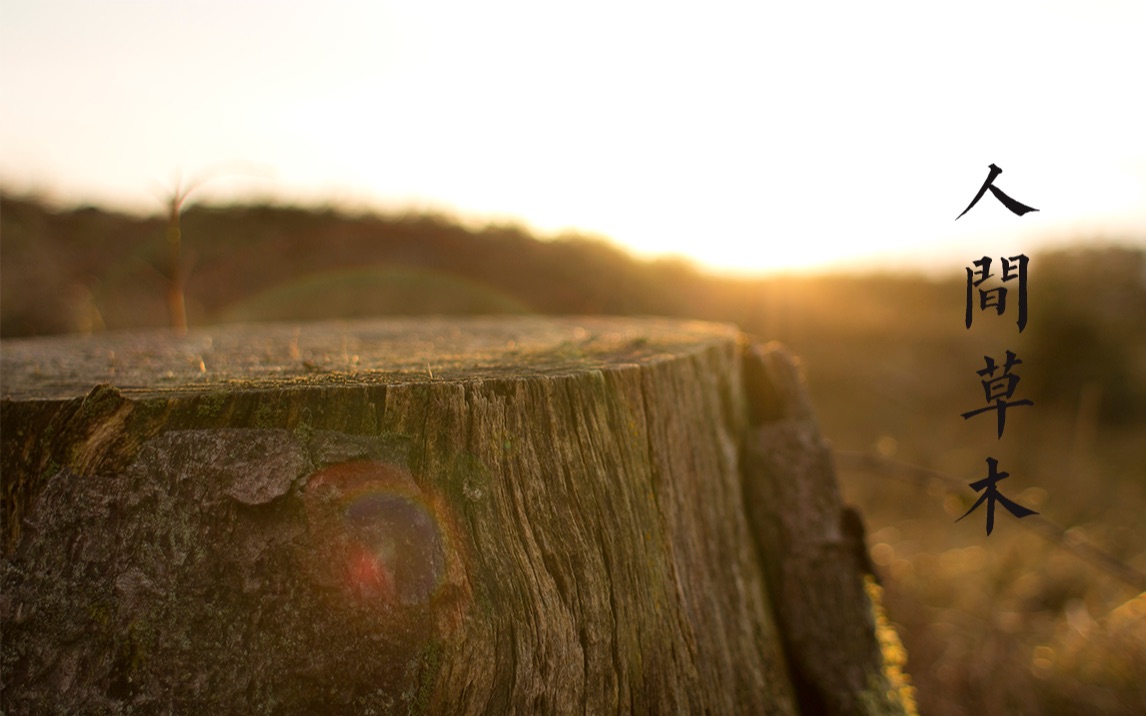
<point x="511" y="515"/>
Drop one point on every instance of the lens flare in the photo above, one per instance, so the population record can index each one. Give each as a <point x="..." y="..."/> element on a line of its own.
<point x="381" y="540"/>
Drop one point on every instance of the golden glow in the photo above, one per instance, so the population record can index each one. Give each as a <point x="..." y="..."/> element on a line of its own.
<point x="745" y="136"/>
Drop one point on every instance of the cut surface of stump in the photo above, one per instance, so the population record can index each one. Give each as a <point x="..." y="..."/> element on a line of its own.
<point x="502" y="515"/>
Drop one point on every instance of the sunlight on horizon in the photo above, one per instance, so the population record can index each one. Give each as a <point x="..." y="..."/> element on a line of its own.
<point x="779" y="138"/>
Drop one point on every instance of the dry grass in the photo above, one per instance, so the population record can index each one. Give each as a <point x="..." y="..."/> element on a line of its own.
<point x="1051" y="620"/>
<point x="1046" y="615"/>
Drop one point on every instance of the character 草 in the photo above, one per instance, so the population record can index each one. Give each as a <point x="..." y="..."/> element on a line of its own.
<point x="999" y="389"/>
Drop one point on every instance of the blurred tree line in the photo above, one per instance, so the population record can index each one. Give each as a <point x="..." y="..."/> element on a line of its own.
<point x="87" y="269"/>
<point x="890" y="367"/>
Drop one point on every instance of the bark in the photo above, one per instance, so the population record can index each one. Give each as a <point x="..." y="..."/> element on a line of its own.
<point x="456" y="516"/>
<point x="812" y="546"/>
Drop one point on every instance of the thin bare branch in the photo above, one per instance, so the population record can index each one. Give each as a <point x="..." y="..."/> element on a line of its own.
<point x="1053" y="533"/>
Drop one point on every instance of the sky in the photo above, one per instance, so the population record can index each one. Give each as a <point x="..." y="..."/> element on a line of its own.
<point x="748" y="137"/>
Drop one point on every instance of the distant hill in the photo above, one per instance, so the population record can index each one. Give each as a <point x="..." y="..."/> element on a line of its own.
<point x="88" y="269"/>
<point x="85" y="269"/>
<point x="889" y="361"/>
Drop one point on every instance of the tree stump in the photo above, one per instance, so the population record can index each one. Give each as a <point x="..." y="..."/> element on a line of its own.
<point x="487" y="516"/>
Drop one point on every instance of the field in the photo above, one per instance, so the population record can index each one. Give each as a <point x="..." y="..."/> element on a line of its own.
<point x="1045" y="615"/>
<point x="1029" y="619"/>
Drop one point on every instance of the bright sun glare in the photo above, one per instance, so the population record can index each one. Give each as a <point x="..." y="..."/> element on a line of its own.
<point x="747" y="138"/>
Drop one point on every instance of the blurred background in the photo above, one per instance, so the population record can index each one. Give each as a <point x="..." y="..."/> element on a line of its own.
<point x="795" y="169"/>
